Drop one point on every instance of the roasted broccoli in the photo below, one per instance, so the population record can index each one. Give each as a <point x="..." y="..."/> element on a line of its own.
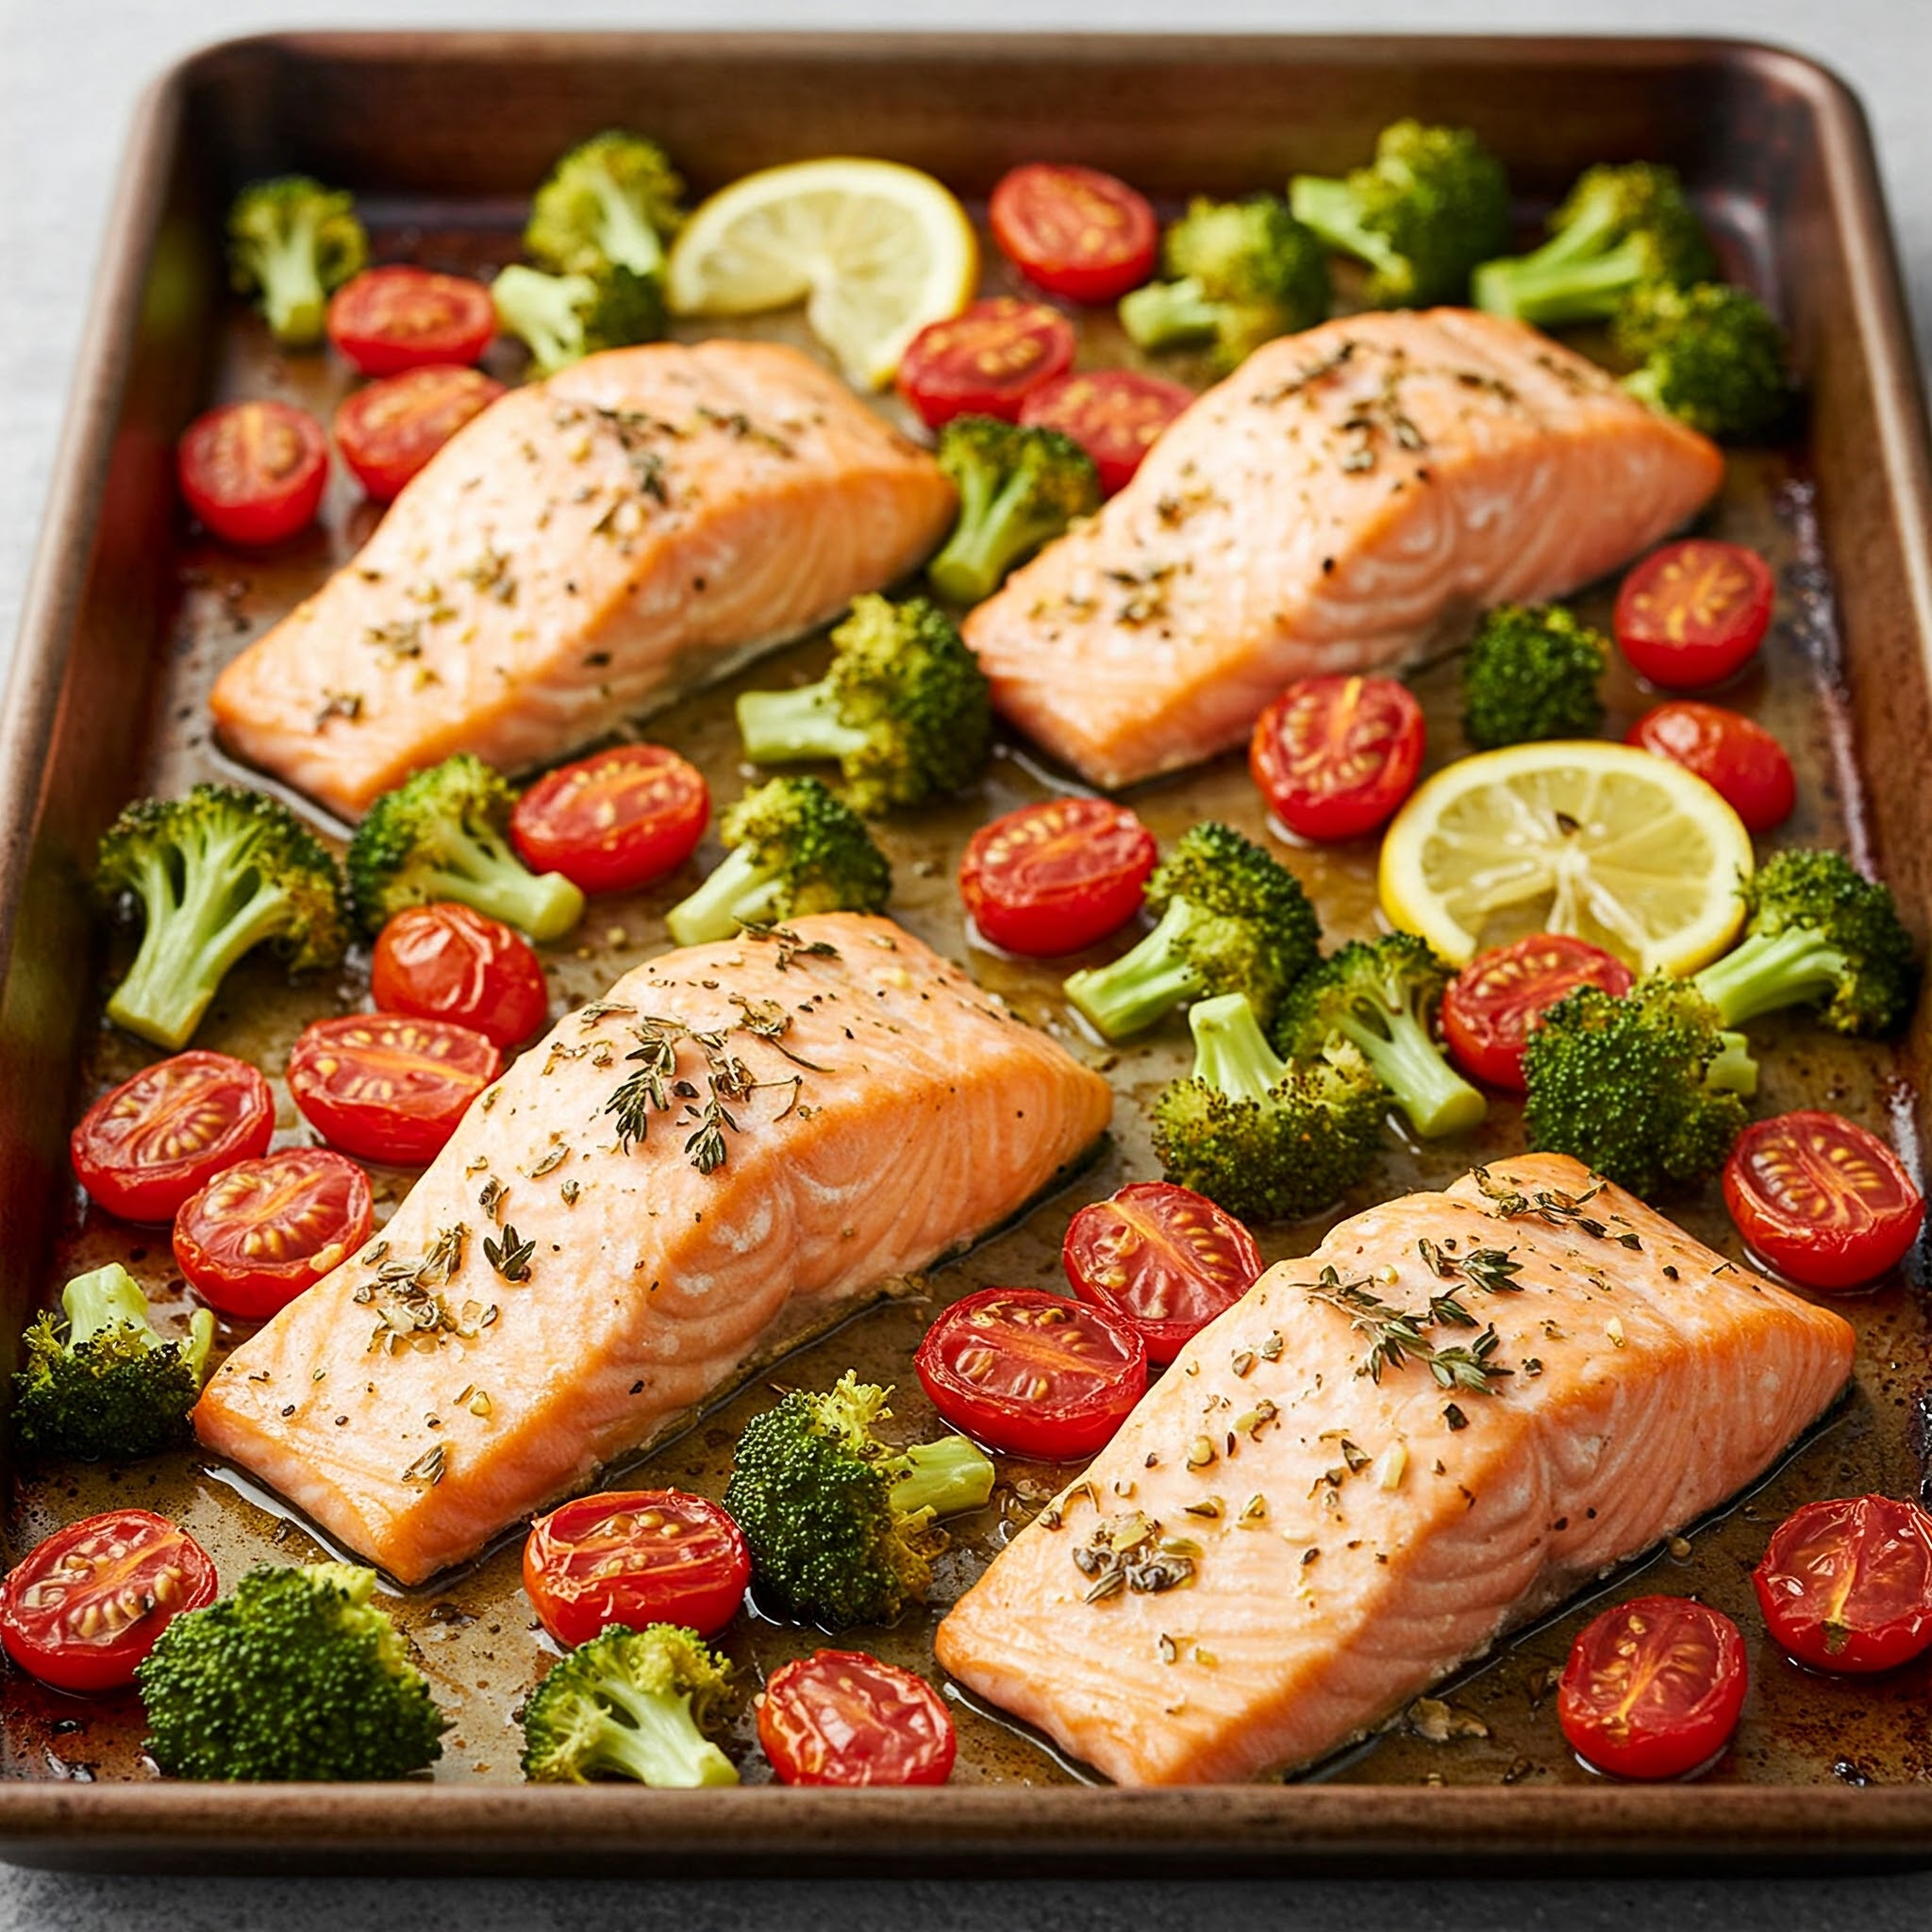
<point x="1018" y="489"/>
<point x="904" y="708"/>
<point x="1239" y="274"/>
<point x="1232" y="918"/>
<point x="611" y="203"/>
<point x="1381" y="996"/>
<point x="214" y="875"/>
<point x="1532" y="671"/>
<point x="1710" y="356"/>
<point x="294" y="1676"/>
<point x="291" y="241"/>
<point x="1620" y="228"/>
<point x="561" y="319"/>
<point x="838" y="1523"/>
<point x="1268" y="1141"/>
<point x="629" y="1703"/>
<point x="442" y="834"/>
<point x="1433" y="203"/>
<point x="1819" y="933"/>
<point x="1644" y="1089"/>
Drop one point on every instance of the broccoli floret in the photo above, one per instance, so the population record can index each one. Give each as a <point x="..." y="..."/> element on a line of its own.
<point x="442" y="835"/>
<point x="296" y="1676"/>
<point x="1434" y="203"/>
<point x="1819" y="933"/>
<point x="214" y="875"/>
<point x="1620" y="228"/>
<point x="611" y="203"/>
<point x="792" y="848"/>
<point x="630" y="1703"/>
<point x="1240" y="272"/>
<point x="1531" y="673"/>
<point x="291" y="241"/>
<point x="112" y="1389"/>
<point x="561" y="319"/>
<point x="1381" y="996"/>
<point x="1018" y="489"/>
<point x="1268" y="1141"/>
<point x="904" y="708"/>
<point x="1712" y="357"/>
<point x="1232" y="918"/>
<point x="838" y="1523"/>
<point x="1644" y="1089"/>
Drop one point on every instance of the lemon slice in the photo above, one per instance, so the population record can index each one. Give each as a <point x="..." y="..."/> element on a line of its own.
<point x="874" y="251"/>
<point x="1617" y="846"/>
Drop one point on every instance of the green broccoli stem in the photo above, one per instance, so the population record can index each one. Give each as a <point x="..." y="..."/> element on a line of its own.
<point x="105" y="1298"/>
<point x="741" y="892"/>
<point x="993" y="534"/>
<point x="1141" y="986"/>
<point x="483" y="872"/>
<point x="626" y="236"/>
<point x="544" y="312"/>
<point x="1165" y="313"/>
<point x="940" y="1479"/>
<point x="1549" y="293"/>
<point x="293" y="296"/>
<point x="1328" y="207"/>
<point x="1437" y="1099"/>
<point x="1231" y="1053"/>
<point x="786" y="727"/>
<point x="1733" y="1070"/>
<point x="655" y="1741"/>
<point x="1769" y="971"/>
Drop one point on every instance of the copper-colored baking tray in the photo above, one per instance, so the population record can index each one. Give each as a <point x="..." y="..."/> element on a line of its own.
<point x="442" y="136"/>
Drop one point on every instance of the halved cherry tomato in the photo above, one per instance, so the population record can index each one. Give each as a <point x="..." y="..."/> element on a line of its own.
<point x="140" y="1150"/>
<point x="1846" y="1585"/>
<point x="1739" y="759"/>
<point x="81" y="1609"/>
<point x="1334" y="756"/>
<point x="1653" y="1687"/>
<point x="1490" y="1006"/>
<point x="447" y="961"/>
<point x="263" y="1231"/>
<point x="1692" y="612"/>
<point x="388" y="430"/>
<point x="390" y="1086"/>
<point x="986" y="361"/>
<point x="1079" y="232"/>
<point x="386" y="320"/>
<point x="616" y="820"/>
<point x="1820" y="1199"/>
<point x="1051" y="878"/>
<point x="1033" y="1373"/>
<point x="254" y="472"/>
<point x="840" y="1717"/>
<point x="1113" y="414"/>
<point x="1161" y="1258"/>
<point x="635" y="1556"/>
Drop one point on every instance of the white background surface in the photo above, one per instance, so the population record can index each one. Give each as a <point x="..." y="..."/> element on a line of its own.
<point x="69" y="72"/>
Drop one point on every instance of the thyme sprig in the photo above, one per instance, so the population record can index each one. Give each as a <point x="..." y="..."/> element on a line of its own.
<point x="792" y="945"/>
<point x="1395" y="1337"/>
<point x="510" y="1257"/>
<point x="1493" y="1270"/>
<point x="655" y="1087"/>
<point x="1552" y="1205"/>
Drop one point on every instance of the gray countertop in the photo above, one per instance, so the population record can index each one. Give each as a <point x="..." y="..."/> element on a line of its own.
<point x="69" y="72"/>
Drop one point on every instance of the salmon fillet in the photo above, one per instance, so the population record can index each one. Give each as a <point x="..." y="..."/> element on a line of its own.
<point x="419" y="1400"/>
<point x="584" y="551"/>
<point x="1278" y="1552"/>
<point x="1330" y="507"/>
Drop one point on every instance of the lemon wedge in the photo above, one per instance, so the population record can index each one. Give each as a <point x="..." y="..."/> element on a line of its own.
<point x="1611" y="843"/>
<point x="876" y="251"/>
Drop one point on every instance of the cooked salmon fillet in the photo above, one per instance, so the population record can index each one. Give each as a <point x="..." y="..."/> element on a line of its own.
<point x="548" y="1299"/>
<point x="1280" y="1551"/>
<point x="1330" y="507"/>
<point x="584" y="551"/>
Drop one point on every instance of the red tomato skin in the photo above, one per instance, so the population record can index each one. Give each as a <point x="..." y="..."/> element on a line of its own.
<point x="1056" y="877"/>
<point x="1114" y="415"/>
<point x="449" y="961"/>
<point x="986" y="361"/>
<point x="1111" y="224"/>
<point x="389" y="430"/>
<point x="235" y="1117"/>
<point x="254" y="472"/>
<point x="397" y="317"/>
<point x="1739" y="758"/>
<point x="447" y="1067"/>
<point x="1836" y="1636"/>
<point x="811" y="1708"/>
<point x="1334" y="756"/>
<point x="659" y="806"/>
<point x="1490" y="1005"/>
<point x="1817" y="1150"/>
<point x="1692" y="613"/>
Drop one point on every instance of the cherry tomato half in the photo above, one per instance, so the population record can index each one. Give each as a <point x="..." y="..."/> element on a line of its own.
<point x="1334" y="756"/>
<point x="1823" y="1200"/>
<point x="81" y="1609"/>
<point x="1114" y="415"/>
<point x="254" y="472"/>
<point x="635" y="1556"/>
<point x="986" y="361"/>
<point x="1846" y="1585"/>
<point x="1490" y="1006"/>
<point x="142" y="1149"/>
<point x="1691" y="613"/>
<point x="617" y="820"/>
<point x="1161" y="1258"/>
<point x="386" y="320"/>
<point x="390" y="1086"/>
<point x="1653" y="1687"/>
<point x="263" y="1231"/>
<point x="1033" y="1373"/>
<point x="388" y="430"/>
<point x="1739" y="758"/>
<point x="1051" y="878"/>
<point x="447" y="961"/>
<point x="1082" y="234"/>
<point x="840" y="1717"/>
